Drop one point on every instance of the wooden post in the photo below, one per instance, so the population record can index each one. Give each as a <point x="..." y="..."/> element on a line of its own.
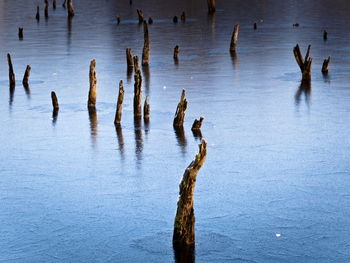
<point x="136" y="63"/>
<point x="137" y="95"/>
<point x="211" y="6"/>
<point x="140" y="15"/>
<point x="234" y="38"/>
<point x="325" y="35"/>
<point x="46" y="10"/>
<point x="93" y="86"/>
<point x="175" y="19"/>
<point x="70" y="8"/>
<point x="183" y="16"/>
<point x="54" y="4"/>
<point x="129" y="59"/>
<point x="37" y="16"/>
<point x="184" y="223"/>
<point x="325" y="65"/>
<point x="304" y="64"/>
<point x="146" y="110"/>
<point x="118" y="113"/>
<point x="26" y="76"/>
<point x="54" y="99"/>
<point x="176" y="52"/>
<point x="197" y="124"/>
<point x="146" y="45"/>
<point x="180" y="111"/>
<point x="20" y="33"/>
<point x="12" y="79"/>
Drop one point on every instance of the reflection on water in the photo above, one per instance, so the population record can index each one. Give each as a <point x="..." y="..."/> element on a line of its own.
<point x="27" y="89"/>
<point x="181" y="138"/>
<point x="138" y="141"/>
<point x="234" y="59"/>
<point x="147" y="78"/>
<point x="197" y="134"/>
<point x="129" y="72"/>
<point x="184" y="254"/>
<point x="12" y="93"/>
<point x="303" y="90"/>
<point x="93" y="127"/>
<point x="120" y="137"/>
<point x="54" y="116"/>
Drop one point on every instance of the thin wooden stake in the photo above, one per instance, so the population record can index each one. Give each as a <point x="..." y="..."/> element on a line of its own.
<point x="180" y="111"/>
<point x="119" y="110"/>
<point x="93" y="86"/>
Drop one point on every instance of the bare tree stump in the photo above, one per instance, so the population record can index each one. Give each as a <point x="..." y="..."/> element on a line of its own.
<point x="255" y="26"/>
<point x="26" y="76"/>
<point x="146" y="109"/>
<point x="118" y="20"/>
<point x="304" y="64"/>
<point x="211" y="6"/>
<point x="54" y="4"/>
<point x="93" y="86"/>
<point x="54" y="99"/>
<point x="325" y="65"/>
<point x="12" y="79"/>
<point x="146" y="46"/>
<point x="136" y="63"/>
<point x="140" y="16"/>
<point x="325" y="35"/>
<point x="118" y="113"/>
<point x="197" y="124"/>
<point x="184" y="225"/>
<point x="20" y="33"/>
<point x="129" y="60"/>
<point x="137" y="95"/>
<point x="234" y="39"/>
<point x="37" y="16"/>
<point x="176" y="52"/>
<point x="46" y="10"/>
<point x="180" y="111"/>
<point x="183" y="16"/>
<point x="175" y="19"/>
<point x="70" y="8"/>
<point x="150" y="21"/>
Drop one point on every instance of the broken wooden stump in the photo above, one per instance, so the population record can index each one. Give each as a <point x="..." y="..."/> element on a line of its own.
<point x="46" y="10"/>
<point x="150" y="20"/>
<point x="137" y="95"/>
<point x="184" y="223"/>
<point x="325" y="35"/>
<point x="54" y="99"/>
<point x="211" y="6"/>
<point x="176" y="52"/>
<point x="304" y="64"/>
<point x="54" y="4"/>
<point x="70" y="8"/>
<point x="146" y="110"/>
<point x="146" y="45"/>
<point x="255" y="26"/>
<point x="129" y="59"/>
<point x="136" y="63"/>
<point x="140" y="16"/>
<point x="37" y="16"/>
<point x="175" y="19"/>
<point x="180" y="111"/>
<point x="197" y="124"/>
<point x="12" y="79"/>
<point x="20" y="33"/>
<point x="325" y="65"/>
<point x="234" y="39"/>
<point x="183" y="16"/>
<point x="93" y="86"/>
<point x="26" y="76"/>
<point x="119" y="110"/>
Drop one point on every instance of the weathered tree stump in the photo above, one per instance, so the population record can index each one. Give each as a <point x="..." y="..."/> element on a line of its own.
<point x="184" y="225"/>
<point x="304" y="64"/>
<point x="37" y="16"/>
<point x="12" y="79"/>
<point x="54" y="4"/>
<point x="146" y="46"/>
<point x="118" y="20"/>
<point x="255" y="26"/>
<point x="180" y="111"/>
<point x="176" y="52"/>
<point x="70" y="8"/>
<point x="146" y="110"/>
<point x="46" y="10"/>
<point x="183" y="16"/>
<point x="175" y="19"/>
<point x="129" y="59"/>
<point x="211" y="6"/>
<point x="234" y="39"/>
<point x="138" y="95"/>
<point x="140" y="16"/>
<point x="325" y="35"/>
<point x="136" y="63"/>
<point x="296" y="25"/>
<point x="20" y="33"/>
<point x="150" y="21"/>
<point x="93" y="86"/>
<point x="197" y="124"/>
<point x="54" y="99"/>
<point x="325" y="65"/>
<point x="119" y="110"/>
<point x="26" y="76"/>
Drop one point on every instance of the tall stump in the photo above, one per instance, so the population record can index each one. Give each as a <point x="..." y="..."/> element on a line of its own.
<point x="146" y="45"/>
<point x="137" y="95"/>
<point x="93" y="86"/>
<point x="304" y="64"/>
<point x="118" y="113"/>
<point x="180" y="111"/>
<point x="12" y="79"/>
<point x="234" y="39"/>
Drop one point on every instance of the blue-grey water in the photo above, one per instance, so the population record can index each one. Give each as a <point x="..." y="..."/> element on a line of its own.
<point x="275" y="186"/>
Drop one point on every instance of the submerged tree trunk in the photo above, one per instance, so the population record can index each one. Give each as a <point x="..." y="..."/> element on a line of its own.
<point x="184" y="225"/>
<point x="325" y="65"/>
<point x="26" y="76"/>
<point x="146" y="110"/>
<point x="93" y="86"/>
<point x="234" y="39"/>
<point x="129" y="59"/>
<point x="138" y="95"/>
<point x="146" y="45"/>
<point x="180" y="111"/>
<point x="118" y="114"/>
<point x="12" y="79"/>
<point x="304" y="64"/>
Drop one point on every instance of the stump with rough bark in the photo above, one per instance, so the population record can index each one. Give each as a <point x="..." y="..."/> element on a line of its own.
<point x="146" y="45"/>
<point x="70" y="8"/>
<point x="138" y="95"/>
<point x="180" y="111"/>
<point x="54" y="99"/>
<point x="304" y="64"/>
<point x="146" y="109"/>
<point x="176" y="52"/>
<point x="234" y="39"/>
<point x="197" y="124"/>
<point x="12" y="79"/>
<point x="325" y="65"/>
<point x="184" y="225"/>
<point x="211" y="6"/>
<point x="37" y="16"/>
<point x="140" y="15"/>
<point x="118" y="113"/>
<point x="129" y="59"/>
<point x="93" y="86"/>
<point x="136" y="63"/>
<point x="26" y="76"/>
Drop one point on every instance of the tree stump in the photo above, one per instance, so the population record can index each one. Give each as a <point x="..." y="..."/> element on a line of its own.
<point x="46" y="10"/>
<point x="183" y="16"/>
<point x="234" y="39"/>
<point x="150" y="21"/>
<point x="175" y="19"/>
<point x="20" y="33"/>
<point x="304" y="64"/>
<point x="54" y="4"/>
<point x="211" y="6"/>
<point x="255" y="26"/>
<point x="137" y="95"/>
<point x="118" y="20"/>
<point x="129" y="60"/>
<point x="184" y="225"/>
<point x="37" y="16"/>
<point x="140" y="16"/>
<point x="12" y="79"/>
<point x="180" y="111"/>
<point x="146" y="45"/>
<point x="54" y="99"/>
<point x="325" y="65"/>
<point x="176" y="52"/>
<point x="26" y="76"/>
<point x="70" y="8"/>
<point x="136" y="63"/>
<point x="197" y="124"/>
<point x="146" y="110"/>
<point x="118" y="113"/>
<point x="325" y="35"/>
<point x="93" y="86"/>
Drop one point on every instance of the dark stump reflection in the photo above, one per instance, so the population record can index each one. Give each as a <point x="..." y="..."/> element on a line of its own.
<point x="138" y="141"/>
<point x="54" y="116"/>
<point x="120" y="137"/>
<point x="181" y="138"/>
<point x="184" y="254"/>
<point x="93" y="126"/>
<point x="303" y="90"/>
